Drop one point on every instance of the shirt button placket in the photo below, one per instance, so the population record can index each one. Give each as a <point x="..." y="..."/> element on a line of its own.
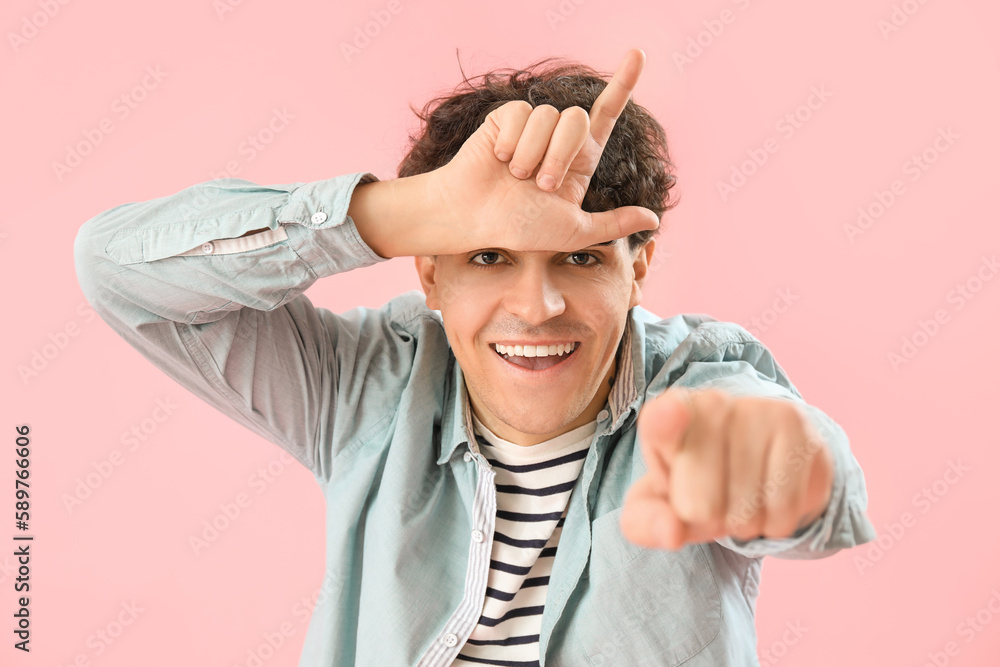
<point x="484" y="509"/>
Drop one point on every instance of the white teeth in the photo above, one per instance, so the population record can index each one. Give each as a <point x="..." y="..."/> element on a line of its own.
<point x="535" y="350"/>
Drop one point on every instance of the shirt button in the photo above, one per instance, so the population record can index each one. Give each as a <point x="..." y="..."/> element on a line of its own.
<point x="207" y="247"/>
<point x="319" y="218"/>
<point x="602" y="415"/>
<point x="467" y="457"/>
<point x="450" y="639"/>
<point x="477" y="535"/>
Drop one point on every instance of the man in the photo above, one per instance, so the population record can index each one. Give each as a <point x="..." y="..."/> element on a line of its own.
<point x="509" y="480"/>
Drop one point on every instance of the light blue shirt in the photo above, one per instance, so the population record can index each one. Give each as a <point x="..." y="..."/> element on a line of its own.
<point x="373" y="403"/>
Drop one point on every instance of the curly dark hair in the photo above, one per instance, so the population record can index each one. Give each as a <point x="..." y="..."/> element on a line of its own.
<point x="634" y="169"/>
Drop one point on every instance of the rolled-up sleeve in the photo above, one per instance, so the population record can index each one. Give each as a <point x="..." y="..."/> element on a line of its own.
<point x="207" y="284"/>
<point x="745" y="367"/>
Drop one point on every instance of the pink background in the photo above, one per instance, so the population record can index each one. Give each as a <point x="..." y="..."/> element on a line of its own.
<point x="897" y="603"/>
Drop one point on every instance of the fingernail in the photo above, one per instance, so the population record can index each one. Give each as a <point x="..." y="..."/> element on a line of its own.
<point x="517" y="171"/>
<point x="503" y="157"/>
<point x="547" y="182"/>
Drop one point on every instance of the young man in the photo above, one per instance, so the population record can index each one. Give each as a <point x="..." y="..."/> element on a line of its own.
<point x="508" y="480"/>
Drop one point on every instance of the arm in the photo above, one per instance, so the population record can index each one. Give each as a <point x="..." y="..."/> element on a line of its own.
<point x="207" y="284"/>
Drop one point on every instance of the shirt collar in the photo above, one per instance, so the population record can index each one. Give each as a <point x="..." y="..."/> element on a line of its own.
<point x="626" y="392"/>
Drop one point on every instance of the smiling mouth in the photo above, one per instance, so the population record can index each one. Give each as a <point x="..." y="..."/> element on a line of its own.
<point x="536" y="358"/>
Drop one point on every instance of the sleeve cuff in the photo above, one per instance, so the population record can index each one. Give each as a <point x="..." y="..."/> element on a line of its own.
<point x="323" y="235"/>
<point x="843" y="523"/>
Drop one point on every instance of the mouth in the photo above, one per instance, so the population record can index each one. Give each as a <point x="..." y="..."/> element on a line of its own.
<point x="536" y="357"/>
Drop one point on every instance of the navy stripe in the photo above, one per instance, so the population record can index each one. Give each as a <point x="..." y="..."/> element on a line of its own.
<point x="514" y="542"/>
<point x="535" y="581"/>
<point x="505" y="567"/>
<point x="531" y="467"/>
<point x="520" y="516"/>
<point x="544" y="491"/>
<point x="501" y="663"/>
<point x="548" y="551"/>
<point x="513" y="613"/>
<point x="509" y="641"/>
<point x="499" y="595"/>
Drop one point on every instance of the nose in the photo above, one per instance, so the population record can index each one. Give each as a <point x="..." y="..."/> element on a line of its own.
<point x="534" y="295"/>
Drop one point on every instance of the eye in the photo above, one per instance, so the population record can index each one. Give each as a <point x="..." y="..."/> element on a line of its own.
<point x="489" y="258"/>
<point x="584" y="256"/>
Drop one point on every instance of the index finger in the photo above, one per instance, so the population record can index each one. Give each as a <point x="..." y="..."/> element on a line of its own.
<point x="663" y="423"/>
<point x="611" y="102"/>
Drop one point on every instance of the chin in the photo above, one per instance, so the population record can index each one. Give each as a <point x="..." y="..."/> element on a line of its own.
<point x="541" y="418"/>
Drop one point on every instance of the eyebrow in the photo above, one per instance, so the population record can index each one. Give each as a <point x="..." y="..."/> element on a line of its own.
<point x="592" y="245"/>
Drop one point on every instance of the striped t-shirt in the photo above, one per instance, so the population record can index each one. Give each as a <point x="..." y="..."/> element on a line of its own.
<point x="533" y="486"/>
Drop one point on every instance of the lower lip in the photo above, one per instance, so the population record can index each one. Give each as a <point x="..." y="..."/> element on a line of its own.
<point x="542" y="375"/>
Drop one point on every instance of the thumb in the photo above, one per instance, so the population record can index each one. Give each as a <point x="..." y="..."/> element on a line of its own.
<point x="621" y="222"/>
<point x="662" y="424"/>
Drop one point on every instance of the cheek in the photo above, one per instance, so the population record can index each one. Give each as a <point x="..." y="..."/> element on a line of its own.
<point x="466" y="314"/>
<point x="604" y="307"/>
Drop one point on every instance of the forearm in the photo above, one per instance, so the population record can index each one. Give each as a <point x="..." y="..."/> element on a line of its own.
<point x="217" y="246"/>
<point x="401" y="217"/>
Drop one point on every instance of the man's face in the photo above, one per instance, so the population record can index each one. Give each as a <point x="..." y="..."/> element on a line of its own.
<point x="494" y="296"/>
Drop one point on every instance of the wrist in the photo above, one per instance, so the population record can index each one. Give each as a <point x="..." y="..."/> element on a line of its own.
<point x="399" y="217"/>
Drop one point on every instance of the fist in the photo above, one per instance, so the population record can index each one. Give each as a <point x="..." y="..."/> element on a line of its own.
<point x="719" y="465"/>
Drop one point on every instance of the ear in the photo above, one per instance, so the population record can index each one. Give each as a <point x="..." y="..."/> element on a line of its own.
<point x="640" y="267"/>
<point x="426" y="269"/>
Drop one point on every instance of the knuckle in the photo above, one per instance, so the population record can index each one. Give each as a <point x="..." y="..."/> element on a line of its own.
<point x="554" y="165"/>
<point x="794" y="419"/>
<point x="546" y="111"/>
<point x="741" y="412"/>
<point x="781" y="513"/>
<point x="575" y="114"/>
<point x="698" y="511"/>
<point x="716" y="397"/>
<point x="744" y="529"/>
<point x="517" y="106"/>
<point x="780" y="525"/>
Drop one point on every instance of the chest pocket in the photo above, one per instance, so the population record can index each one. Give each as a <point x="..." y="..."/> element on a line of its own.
<point x="650" y="606"/>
